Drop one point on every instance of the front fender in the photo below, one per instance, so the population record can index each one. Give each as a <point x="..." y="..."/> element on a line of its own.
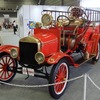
<point x="7" y="48"/>
<point x="59" y="55"/>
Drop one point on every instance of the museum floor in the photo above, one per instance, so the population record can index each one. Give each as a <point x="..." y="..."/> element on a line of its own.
<point x="74" y="90"/>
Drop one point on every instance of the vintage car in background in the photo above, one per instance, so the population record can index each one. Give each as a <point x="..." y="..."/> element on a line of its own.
<point x="53" y="45"/>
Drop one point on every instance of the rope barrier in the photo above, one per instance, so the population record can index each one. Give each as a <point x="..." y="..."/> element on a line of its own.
<point x="45" y="85"/>
<point x="93" y="82"/>
<point x="85" y="87"/>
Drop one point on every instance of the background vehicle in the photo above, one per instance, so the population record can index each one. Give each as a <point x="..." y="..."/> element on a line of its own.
<point x="54" y="45"/>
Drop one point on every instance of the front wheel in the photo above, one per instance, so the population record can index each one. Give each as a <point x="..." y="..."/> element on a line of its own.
<point x="8" y="68"/>
<point x="59" y="73"/>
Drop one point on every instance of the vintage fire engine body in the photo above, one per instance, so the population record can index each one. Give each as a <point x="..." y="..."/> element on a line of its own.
<point x="54" y="45"/>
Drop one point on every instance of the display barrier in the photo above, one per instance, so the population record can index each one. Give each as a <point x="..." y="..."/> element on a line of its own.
<point x="85" y="76"/>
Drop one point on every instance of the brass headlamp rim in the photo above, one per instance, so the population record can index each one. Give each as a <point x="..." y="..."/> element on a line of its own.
<point x="15" y="51"/>
<point x="42" y="55"/>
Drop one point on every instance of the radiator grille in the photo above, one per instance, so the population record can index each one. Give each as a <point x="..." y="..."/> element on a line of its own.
<point x="27" y="53"/>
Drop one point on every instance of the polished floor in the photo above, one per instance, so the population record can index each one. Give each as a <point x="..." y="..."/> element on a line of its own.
<point x="74" y="90"/>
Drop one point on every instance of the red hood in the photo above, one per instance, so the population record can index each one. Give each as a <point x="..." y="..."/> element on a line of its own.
<point x="45" y="37"/>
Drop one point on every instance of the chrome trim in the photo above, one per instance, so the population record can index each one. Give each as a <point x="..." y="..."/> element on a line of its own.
<point x="31" y="39"/>
<point x="50" y="41"/>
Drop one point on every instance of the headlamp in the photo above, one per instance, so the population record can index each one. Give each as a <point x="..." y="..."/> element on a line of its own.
<point x="14" y="53"/>
<point x="39" y="57"/>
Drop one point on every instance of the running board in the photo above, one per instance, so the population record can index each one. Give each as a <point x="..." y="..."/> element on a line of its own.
<point x="82" y="60"/>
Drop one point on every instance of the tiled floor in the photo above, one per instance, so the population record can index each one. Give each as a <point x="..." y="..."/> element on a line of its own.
<point x="74" y="90"/>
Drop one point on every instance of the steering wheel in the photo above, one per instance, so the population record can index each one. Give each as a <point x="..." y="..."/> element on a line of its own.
<point x="63" y="20"/>
<point x="77" y="12"/>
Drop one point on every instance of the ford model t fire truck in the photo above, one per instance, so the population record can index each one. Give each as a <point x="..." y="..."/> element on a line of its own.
<point x="53" y="44"/>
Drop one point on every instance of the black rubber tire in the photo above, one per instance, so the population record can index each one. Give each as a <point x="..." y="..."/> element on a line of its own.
<point x="96" y="58"/>
<point x="54" y="72"/>
<point x="5" y="60"/>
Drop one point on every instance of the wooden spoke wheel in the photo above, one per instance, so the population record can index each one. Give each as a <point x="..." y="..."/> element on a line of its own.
<point x="8" y="68"/>
<point x="59" y="73"/>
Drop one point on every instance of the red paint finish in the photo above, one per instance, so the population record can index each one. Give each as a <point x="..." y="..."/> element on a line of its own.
<point x="59" y="55"/>
<point x="7" y="48"/>
<point x="95" y="38"/>
<point x="89" y="46"/>
<point x="50" y="40"/>
<point x="49" y="48"/>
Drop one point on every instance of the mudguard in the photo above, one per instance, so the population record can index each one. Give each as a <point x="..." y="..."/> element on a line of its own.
<point x="59" y="55"/>
<point x="7" y="48"/>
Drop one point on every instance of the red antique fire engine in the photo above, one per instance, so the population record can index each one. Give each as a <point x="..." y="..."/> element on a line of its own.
<point x="54" y="44"/>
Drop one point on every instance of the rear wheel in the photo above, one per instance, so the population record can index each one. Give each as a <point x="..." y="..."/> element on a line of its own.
<point x="96" y="58"/>
<point x="8" y="68"/>
<point x="59" y="73"/>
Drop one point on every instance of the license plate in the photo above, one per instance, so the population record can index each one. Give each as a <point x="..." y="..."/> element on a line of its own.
<point x="28" y="71"/>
